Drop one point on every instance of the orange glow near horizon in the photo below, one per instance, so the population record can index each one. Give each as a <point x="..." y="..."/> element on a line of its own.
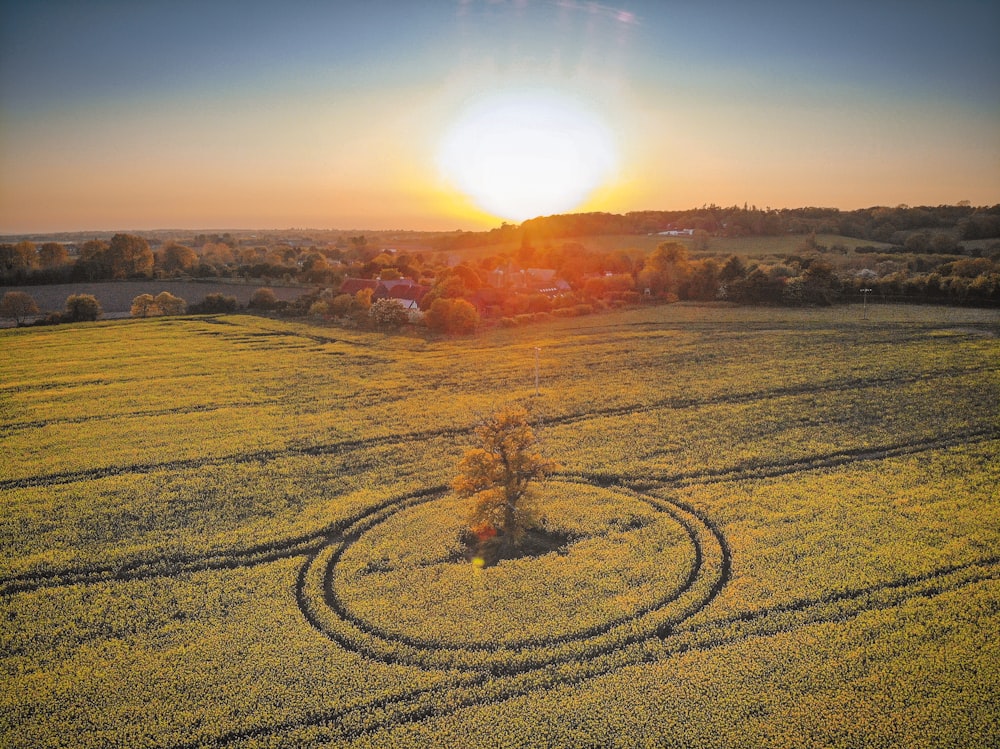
<point x="440" y="118"/>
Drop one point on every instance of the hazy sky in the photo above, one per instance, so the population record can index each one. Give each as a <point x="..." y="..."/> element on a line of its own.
<point x="459" y="114"/>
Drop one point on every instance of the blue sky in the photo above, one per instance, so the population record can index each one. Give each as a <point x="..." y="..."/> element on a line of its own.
<point x="232" y="114"/>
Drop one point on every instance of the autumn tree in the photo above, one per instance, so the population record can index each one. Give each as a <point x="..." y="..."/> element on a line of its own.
<point x="129" y="255"/>
<point x="455" y="316"/>
<point x="497" y="476"/>
<point x="18" y="305"/>
<point x="52" y="255"/>
<point x="144" y="305"/>
<point x="263" y="298"/>
<point x="175" y="258"/>
<point x="170" y="304"/>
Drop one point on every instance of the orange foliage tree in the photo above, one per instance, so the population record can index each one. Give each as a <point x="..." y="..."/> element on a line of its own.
<point x="497" y="476"/>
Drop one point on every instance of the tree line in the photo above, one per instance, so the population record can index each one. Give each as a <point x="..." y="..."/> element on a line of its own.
<point x="881" y="224"/>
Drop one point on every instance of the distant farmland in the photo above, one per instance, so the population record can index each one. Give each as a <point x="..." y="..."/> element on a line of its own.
<point x="116" y="296"/>
<point x="231" y="531"/>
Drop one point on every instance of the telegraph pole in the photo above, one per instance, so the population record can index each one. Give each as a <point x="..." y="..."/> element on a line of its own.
<point x="864" y="307"/>
<point x="537" y="350"/>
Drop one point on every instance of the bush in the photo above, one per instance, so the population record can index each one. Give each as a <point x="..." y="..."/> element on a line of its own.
<point x="319" y="308"/>
<point x="144" y="305"/>
<point x="82" y="308"/>
<point x="388" y="313"/>
<point x="455" y="316"/>
<point x="263" y="298"/>
<point x="215" y="304"/>
<point x="170" y="304"/>
<point x="341" y="305"/>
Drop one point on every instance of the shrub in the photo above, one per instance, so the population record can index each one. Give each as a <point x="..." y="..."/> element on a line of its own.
<point x="263" y="298"/>
<point x="170" y="304"/>
<point x="341" y="305"/>
<point x="216" y="303"/>
<point x="144" y="305"/>
<point x="319" y="308"/>
<point x="631" y="297"/>
<point x="82" y="307"/>
<point x="387" y="313"/>
<point x="455" y="316"/>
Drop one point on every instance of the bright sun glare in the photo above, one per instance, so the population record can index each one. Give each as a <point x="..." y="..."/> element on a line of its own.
<point x="526" y="154"/>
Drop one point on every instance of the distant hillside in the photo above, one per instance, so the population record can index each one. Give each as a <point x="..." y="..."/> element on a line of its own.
<point x="877" y="224"/>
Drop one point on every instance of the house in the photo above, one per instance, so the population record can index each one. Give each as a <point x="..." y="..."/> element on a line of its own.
<point x="402" y="290"/>
<point x="353" y="285"/>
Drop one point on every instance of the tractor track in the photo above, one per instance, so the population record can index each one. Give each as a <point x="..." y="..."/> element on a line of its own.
<point x="418" y="705"/>
<point x="346" y="446"/>
<point x="302" y="544"/>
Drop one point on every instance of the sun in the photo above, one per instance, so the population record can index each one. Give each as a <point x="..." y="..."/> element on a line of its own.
<point x="523" y="154"/>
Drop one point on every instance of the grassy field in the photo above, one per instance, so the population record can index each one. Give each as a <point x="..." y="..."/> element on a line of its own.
<point x="234" y="531"/>
<point x="723" y="247"/>
<point x="115" y="297"/>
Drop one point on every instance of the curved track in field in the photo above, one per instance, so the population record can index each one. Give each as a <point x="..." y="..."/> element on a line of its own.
<point x="309" y="543"/>
<point x="484" y="685"/>
<point x="707" y="576"/>
<point x="346" y="446"/>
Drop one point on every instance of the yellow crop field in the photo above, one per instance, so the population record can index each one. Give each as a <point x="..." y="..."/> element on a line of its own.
<point x="783" y="530"/>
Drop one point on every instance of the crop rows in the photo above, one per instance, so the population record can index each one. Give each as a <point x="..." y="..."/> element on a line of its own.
<point x="824" y="521"/>
<point x="334" y="448"/>
<point x="324" y="608"/>
<point x="477" y="689"/>
<point x="308" y="542"/>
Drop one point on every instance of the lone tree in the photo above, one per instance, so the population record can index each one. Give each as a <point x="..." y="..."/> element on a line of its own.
<point x="497" y="477"/>
<point x="18" y="305"/>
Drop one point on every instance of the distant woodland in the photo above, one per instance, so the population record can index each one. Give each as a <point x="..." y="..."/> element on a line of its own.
<point x="588" y="261"/>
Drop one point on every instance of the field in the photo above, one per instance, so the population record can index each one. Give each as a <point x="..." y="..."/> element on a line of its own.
<point x="236" y="532"/>
<point x="756" y="247"/>
<point x="115" y="297"/>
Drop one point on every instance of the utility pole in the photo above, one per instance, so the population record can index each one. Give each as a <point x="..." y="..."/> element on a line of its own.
<point x="864" y="306"/>
<point x="537" y="350"/>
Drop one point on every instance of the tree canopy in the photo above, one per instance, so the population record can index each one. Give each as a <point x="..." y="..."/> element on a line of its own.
<point x="18" y="305"/>
<point x="497" y="476"/>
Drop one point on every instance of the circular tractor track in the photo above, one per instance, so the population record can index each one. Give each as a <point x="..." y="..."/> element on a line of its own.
<point x="326" y="609"/>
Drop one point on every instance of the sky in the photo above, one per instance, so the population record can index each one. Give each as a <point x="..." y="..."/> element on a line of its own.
<point x="462" y="114"/>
